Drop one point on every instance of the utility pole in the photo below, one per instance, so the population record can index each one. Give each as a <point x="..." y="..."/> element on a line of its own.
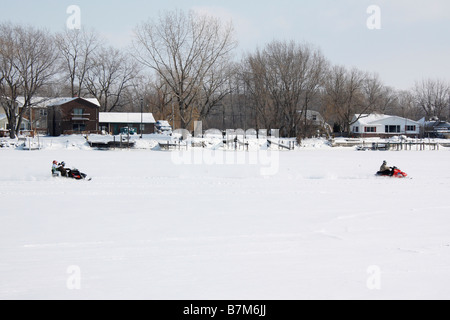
<point x="173" y="115"/>
<point x="142" y="115"/>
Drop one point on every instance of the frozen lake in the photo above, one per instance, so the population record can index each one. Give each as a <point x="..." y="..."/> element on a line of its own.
<point x="312" y="224"/>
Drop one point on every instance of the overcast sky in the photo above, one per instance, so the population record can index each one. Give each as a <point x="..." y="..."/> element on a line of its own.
<point x="413" y="42"/>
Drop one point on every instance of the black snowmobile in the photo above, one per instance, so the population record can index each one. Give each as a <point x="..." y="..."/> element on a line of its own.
<point x="75" y="174"/>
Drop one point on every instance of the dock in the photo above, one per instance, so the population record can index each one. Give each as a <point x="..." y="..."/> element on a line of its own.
<point x="111" y="144"/>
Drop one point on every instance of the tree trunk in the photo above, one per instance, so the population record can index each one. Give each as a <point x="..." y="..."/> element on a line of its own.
<point x="12" y="126"/>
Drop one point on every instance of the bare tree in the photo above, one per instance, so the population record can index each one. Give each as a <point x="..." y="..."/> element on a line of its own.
<point x="433" y="96"/>
<point x="77" y="48"/>
<point x="216" y="85"/>
<point x="388" y="101"/>
<point x="188" y="53"/>
<point x="349" y="93"/>
<point x="28" y="57"/>
<point x="316" y="71"/>
<point x="283" y="79"/>
<point x="109" y="77"/>
<point x="254" y="73"/>
<point x="407" y="106"/>
<point x="10" y="77"/>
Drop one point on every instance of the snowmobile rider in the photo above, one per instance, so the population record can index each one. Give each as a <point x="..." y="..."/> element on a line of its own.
<point x="55" y="168"/>
<point x="385" y="169"/>
<point x="62" y="169"/>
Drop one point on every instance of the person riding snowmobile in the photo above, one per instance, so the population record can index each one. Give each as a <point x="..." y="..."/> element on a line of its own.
<point x="61" y="168"/>
<point x="55" y="171"/>
<point x="386" y="170"/>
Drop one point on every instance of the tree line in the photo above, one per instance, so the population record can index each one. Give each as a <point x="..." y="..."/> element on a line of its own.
<point x="183" y="67"/>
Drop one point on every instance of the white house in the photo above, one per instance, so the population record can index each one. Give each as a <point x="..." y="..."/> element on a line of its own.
<point x="380" y="125"/>
<point x="4" y="123"/>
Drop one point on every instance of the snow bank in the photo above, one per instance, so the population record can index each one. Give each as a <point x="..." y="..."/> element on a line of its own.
<point x="212" y="141"/>
<point x="315" y="144"/>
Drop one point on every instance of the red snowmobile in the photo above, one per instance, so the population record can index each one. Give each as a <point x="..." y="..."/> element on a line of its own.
<point x="61" y="171"/>
<point x="393" y="173"/>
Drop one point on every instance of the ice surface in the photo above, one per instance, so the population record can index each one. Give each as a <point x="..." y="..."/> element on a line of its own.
<point x="151" y="227"/>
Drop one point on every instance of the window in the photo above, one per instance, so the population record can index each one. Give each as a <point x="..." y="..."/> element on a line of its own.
<point x="314" y="117"/>
<point x="79" y="127"/>
<point x="410" y="128"/>
<point x="42" y="112"/>
<point x="392" y="129"/>
<point x="370" y="129"/>
<point x="78" y="112"/>
<point x="356" y="129"/>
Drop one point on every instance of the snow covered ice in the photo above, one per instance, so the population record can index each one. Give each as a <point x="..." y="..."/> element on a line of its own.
<point x="149" y="227"/>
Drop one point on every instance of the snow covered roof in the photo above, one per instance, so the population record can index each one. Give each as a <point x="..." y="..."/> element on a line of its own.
<point x="37" y="102"/>
<point x="370" y="119"/>
<point x="434" y="123"/>
<point x="44" y="102"/>
<point x="61" y="101"/>
<point x="123" y="117"/>
<point x="4" y="121"/>
<point x="163" y="123"/>
<point x="310" y="112"/>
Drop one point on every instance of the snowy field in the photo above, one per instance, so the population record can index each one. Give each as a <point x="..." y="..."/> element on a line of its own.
<point x="307" y="224"/>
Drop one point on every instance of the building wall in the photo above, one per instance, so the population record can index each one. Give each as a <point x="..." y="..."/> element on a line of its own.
<point x="114" y="128"/>
<point x="385" y="136"/>
<point x="62" y="120"/>
<point x="39" y="119"/>
<point x="380" y="128"/>
<point x="395" y="121"/>
<point x="3" y="124"/>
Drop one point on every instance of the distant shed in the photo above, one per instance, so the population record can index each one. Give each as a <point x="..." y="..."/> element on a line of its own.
<point x="112" y="122"/>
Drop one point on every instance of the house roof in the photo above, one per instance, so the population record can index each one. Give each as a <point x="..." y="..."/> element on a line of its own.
<point x="434" y="123"/>
<point x="3" y="118"/>
<point x="310" y="113"/>
<point x="62" y="101"/>
<point x="44" y="102"/>
<point x="443" y="124"/>
<point x="163" y="123"/>
<point x="124" y="117"/>
<point x="370" y="119"/>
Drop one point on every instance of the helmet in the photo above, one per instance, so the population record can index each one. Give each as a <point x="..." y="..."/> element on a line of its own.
<point x="55" y="162"/>
<point x="384" y="162"/>
<point x="63" y="164"/>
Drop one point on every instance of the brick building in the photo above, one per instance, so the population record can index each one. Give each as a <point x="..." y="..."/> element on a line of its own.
<point x="72" y="116"/>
